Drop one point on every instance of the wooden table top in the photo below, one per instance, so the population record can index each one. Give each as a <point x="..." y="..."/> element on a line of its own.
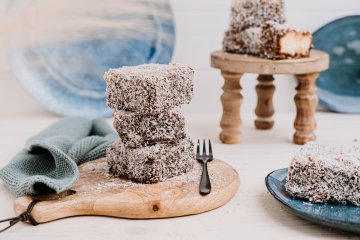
<point x="318" y="61"/>
<point x="252" y="214"/>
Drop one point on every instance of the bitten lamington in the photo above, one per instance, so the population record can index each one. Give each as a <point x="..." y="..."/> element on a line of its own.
<point x="271" y="40"/>
<point x="323" y="174"/>
<point x="149" y="88"/>
<point x="139" y="130"/>
<point x="151" y="164"/>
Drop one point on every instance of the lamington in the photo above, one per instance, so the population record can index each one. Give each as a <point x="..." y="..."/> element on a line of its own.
<point x="151" y="164"/>
<point x="253" y="13"/>
<point x="140" y="130"/>
<point x="149" y="88"/>
<point x="257" y="28"/>
<point x="271" y="41"/>
<point x="325" y="174"/>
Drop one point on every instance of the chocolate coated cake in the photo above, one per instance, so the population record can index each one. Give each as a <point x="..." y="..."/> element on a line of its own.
<point x="257" y="28"/>
<point x="152" y="163"/>
<point x="253" y="13"/>
<point x="149" y="88"/>
<point x="270" y="40"/>
<point x="139" y="130"/>
<point x="322" y="174"/>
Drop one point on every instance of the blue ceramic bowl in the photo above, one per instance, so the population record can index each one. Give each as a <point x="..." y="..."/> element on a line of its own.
<point x="60" y="55"/>
<point x="344" y="217"/>
<point x="339" y="86"/>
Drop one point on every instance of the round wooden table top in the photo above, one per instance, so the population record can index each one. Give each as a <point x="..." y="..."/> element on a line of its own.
<point x="317" y="61"/>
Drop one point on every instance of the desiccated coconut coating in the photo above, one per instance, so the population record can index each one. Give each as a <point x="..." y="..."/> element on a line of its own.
<point x="139" y="130"/>
<point x="247" y="41"/>
<point x="254" y="13"/>
<point x="323" y="174"/>
<point x="149" y="88"/>
<point x="151" y="164"/>
<point x="270" y="40"/>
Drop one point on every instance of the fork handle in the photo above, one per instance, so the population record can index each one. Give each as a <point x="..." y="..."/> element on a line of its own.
<point x="205" y="185"/>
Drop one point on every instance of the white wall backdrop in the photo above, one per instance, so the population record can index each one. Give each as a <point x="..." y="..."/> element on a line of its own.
<point x="199" y="27"/>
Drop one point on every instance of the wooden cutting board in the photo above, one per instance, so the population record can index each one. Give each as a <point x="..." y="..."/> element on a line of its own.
<point x="97" y="193"/>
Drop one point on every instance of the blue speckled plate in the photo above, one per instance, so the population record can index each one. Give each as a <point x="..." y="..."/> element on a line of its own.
<point x="60" y="50"/>
<point x="339" y="87"/>
<point x="345" y="217"/>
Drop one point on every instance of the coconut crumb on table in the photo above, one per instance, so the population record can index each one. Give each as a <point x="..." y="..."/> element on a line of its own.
<point x="93" y="166"/>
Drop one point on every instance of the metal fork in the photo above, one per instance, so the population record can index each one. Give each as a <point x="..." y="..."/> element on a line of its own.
<point x="205" y="185"/>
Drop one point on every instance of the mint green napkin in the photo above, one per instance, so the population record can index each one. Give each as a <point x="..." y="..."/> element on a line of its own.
<point x="49" y="161"/>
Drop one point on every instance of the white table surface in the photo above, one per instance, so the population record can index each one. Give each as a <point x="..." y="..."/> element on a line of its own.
<point x="253" y="212"/>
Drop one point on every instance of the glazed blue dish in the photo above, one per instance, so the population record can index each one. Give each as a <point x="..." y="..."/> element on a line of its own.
<point x="339" y="86"/>
<point x="344" y="217"/>
<point x="62" y="54"/>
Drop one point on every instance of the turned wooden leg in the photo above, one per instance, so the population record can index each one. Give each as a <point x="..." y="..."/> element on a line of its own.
<point x="306" y="101"/>
<point x="231" y="100"/>
<point x="264" y="109"/>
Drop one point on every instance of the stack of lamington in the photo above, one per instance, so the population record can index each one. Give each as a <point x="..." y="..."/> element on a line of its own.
<point x="153" y="143"/>
<point x="256" y="28"/>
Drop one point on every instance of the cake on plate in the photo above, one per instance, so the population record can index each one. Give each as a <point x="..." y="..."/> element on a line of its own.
<point x="322" y="173"/>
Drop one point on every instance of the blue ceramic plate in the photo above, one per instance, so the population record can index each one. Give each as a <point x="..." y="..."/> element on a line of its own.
<point x="344" y="217"/>
<point x="339" y="87"/>
<point x="60" y="50"/>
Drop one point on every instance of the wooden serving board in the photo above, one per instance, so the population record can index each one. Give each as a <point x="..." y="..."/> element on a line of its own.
<point x="97" y="193"/>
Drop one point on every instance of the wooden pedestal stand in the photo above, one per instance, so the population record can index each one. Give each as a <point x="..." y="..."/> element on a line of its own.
<point x="306" y="71"/>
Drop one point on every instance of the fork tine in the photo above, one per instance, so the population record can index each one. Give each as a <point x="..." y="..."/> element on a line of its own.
<point x="198" y="148"/>
<point x="204" y="148"/>
<point x="210" y="149"/>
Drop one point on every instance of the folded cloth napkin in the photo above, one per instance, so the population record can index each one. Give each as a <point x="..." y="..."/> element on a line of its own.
<point x="49" y="161"/>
